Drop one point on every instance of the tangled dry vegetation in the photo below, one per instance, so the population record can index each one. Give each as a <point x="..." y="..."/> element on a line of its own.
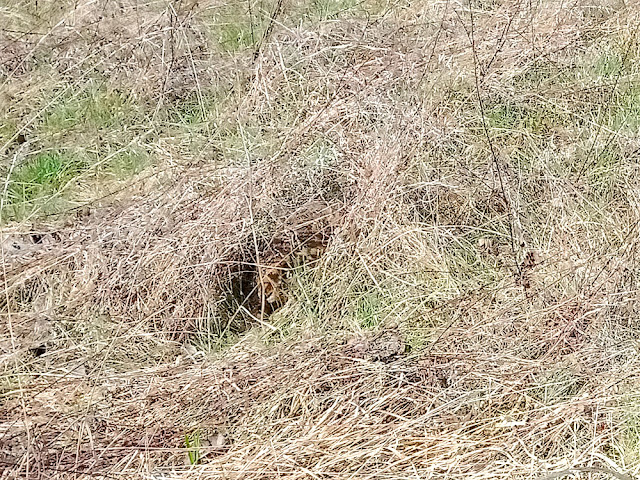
<point x="330" y="239"/>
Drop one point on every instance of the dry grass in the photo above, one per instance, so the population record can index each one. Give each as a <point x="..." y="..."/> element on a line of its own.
<point x="326" y="239"/>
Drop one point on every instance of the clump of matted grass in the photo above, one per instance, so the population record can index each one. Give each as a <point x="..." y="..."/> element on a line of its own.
<point x="314" y="409"/>
<point x="340" y="193"/>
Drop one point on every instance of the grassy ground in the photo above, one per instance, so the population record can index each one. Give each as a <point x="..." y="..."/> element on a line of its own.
<point x="319" y="239"/>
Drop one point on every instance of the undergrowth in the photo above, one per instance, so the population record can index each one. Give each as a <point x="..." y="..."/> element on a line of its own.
<point x="347" y="239"/>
